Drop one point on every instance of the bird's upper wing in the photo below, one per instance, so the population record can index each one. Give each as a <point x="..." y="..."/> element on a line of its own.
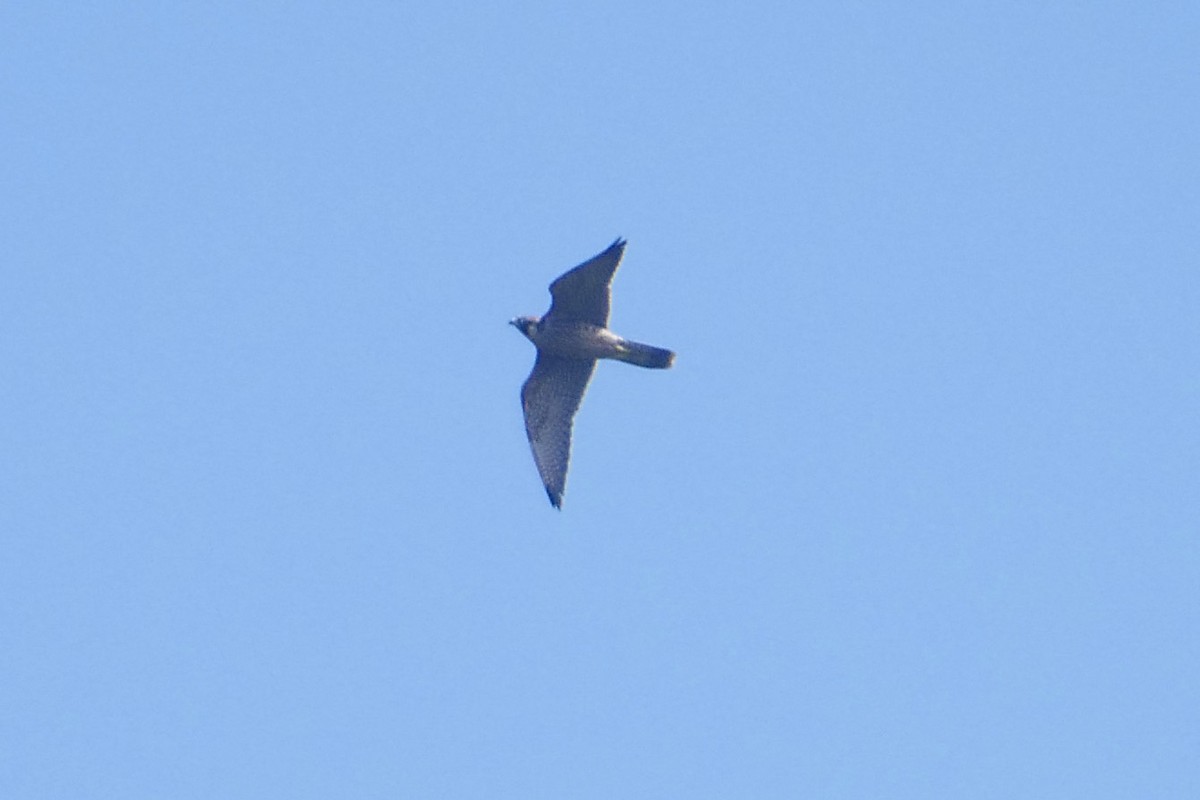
<point x="583" y="293"/>
<point x="550" y="397"/>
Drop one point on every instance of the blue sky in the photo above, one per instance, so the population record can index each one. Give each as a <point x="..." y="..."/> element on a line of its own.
<point x="915" y="514"/>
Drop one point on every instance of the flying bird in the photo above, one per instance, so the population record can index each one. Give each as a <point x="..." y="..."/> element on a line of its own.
<point x="571" y="336"/>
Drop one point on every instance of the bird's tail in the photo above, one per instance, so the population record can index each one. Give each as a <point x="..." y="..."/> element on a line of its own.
<point x="644" y="355"/>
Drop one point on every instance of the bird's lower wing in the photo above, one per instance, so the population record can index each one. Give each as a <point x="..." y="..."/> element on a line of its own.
<point x="550" y="397"/>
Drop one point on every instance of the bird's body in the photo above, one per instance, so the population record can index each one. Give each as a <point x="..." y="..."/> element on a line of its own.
<point x="575" y="339"/>
<point x="570" y="338"/>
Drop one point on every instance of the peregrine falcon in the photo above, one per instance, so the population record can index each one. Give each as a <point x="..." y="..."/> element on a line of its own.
<point x="569" y="339"/>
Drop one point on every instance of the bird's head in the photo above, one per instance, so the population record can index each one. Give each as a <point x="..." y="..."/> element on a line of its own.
<point x="525" y="325"/>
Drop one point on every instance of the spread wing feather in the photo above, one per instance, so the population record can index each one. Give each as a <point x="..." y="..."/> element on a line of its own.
<point x="584" y="292"/>
<point x="550" y="397"/>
